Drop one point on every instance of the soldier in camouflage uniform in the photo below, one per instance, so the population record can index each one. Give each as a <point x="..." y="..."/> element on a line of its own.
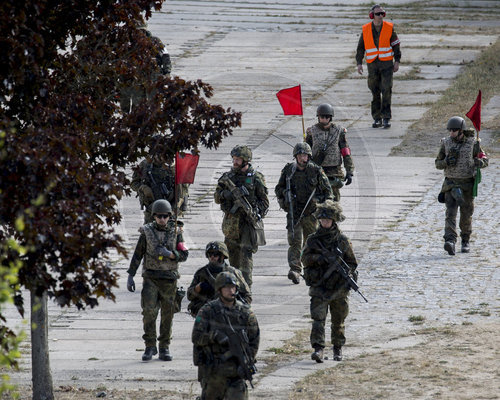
<point x="381" y="44"/>
<point x="459" y="156"/>
<point x="202" y="288"/>
<point x="327" y="288"/>
<point x="240" y="235"/>
<point x="219" y="371"/>
<point x="154" y="179"/>
<point x="162" y="248"/>
<point x="303" y="184"/>
<point x="329" y="149"/>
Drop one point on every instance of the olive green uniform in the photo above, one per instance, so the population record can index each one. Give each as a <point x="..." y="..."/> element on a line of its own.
<point x="330" y="293"/>
<point x="153" y="181"/>
<point x="239" y="234"/>
<point x="160" y="276"/>
<point x="469" y="156"/>
<point x="217" y="367"/>
<point x="380" y="74"/>
<point x="302" y="184"/>
<point x="207" y="274"/>
<point x="330" y="149"/>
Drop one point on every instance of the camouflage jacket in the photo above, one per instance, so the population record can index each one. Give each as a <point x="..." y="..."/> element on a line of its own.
<point x="207" y="274"/>
<point x="154" y="265"/>
<point x="330" y="148"/>
<point x="316" y="264"/>
<point x="212" y="318"/>
<point x="302" y="184"/>
<point x="159" y="179"/>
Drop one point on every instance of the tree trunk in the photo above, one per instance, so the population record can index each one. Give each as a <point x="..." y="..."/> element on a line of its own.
<point x="40" y="365"/>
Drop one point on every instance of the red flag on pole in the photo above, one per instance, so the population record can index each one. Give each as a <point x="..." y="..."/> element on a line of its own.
<point x="474" y="113"/>
<point x="185" y="167"/>
<point x="290" y="100"/>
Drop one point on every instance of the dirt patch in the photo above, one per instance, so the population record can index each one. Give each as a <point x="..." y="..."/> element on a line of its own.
<point x="456" y="362"/>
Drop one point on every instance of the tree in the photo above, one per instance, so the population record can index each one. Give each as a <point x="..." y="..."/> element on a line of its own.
<point x="63" y="67"/>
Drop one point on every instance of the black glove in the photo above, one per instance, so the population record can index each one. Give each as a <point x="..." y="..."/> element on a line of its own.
<point x="348" y="178"/>
<point x="451" y="160"/>
<point x="163" y="251"/>
<point x="130" y="283"/>
<point x="478" y="162"/>
<point x="219" y="337"/>
<point x="226" y="195"/>
<point x="206" y="288"/>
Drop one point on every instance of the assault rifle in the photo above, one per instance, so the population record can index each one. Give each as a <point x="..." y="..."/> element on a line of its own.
<point x="160" y="191"/>
<point x="240" y="201"/>
<point x="239" y="347"/>
<point x="289" y="199"/>
<point x="334" y="265"/>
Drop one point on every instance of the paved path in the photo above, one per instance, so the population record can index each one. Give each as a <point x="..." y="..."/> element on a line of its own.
<point x="248" y="51"/>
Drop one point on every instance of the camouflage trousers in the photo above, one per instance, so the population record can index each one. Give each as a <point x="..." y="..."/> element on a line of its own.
<point x="339" y="308"/>
<point x="466" y="211"/>
<point x="241" y="254"/>
<point x="217" y="387"/>
<point x="380" y="84"/>
<point x="297" y="240"/>
<point x="158" y="295"/>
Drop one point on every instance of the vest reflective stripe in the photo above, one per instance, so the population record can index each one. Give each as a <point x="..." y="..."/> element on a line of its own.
<point x="384" y="52"/>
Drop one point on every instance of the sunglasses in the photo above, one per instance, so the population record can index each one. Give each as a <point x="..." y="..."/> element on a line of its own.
<point x="325" y="116"/>
<point x="382" y="13"/>
<point x="162" y="216"/>
<point x="213" y="254"/>
<point x="453" y="130"/>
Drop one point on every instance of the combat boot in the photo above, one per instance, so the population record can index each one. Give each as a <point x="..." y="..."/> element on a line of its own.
<point x="317" y="355"/>
<point x="165" y="354"/>
<point x="387" y="123"/>
<point x="449" y="247"/>
<point x="377" y="123"/>
<point x="294" y="277"/>
<point x="465" y="246"/>
<point x="337" y="353"/>
<point x="149" y="353"/>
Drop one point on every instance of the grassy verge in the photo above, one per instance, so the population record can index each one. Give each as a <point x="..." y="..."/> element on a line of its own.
<point x="422" y="138"/>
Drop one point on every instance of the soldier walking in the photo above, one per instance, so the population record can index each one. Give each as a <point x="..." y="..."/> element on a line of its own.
<point x="162" y="248"/>
<point x="330" y="149"/>
<point x="242" y="195"/>
<point x="225" y="343"/>
<point x="301" y="186"/>
<point x="202" y="288"/>
<point x="154" y="179"/>
<point x="381" y="44"/>
<point x="459" y="156"/>
<point x="327" y="287"/>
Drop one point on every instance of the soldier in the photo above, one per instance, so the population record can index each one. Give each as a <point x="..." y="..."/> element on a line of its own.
<point x="459" y="156"/>
<point x="242" y="195"/>
<point x="329" y="148"/>
<point x="327" y="287"/>
<point x="202" y="288"/>
<point x="162" y="249"/>
<point x="381" y="44"/>
<point x="226" y="339"/>
<point x="301" y="186"/>
<point x="154" y="179"/>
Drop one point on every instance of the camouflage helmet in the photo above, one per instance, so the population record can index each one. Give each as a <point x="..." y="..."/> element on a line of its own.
<point x="324" y="109"/>
<point x="456" y="123"/>
<point x="243" y="152"/>
<point x="161" y="207"/>
<point x="217" y="246"/>
<point x="331" y="210"/>
<point x="302" y="148"/>
<point x="223" y="279"/>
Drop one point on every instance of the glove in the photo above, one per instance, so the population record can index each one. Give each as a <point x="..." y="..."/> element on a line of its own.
<point x="451" y="160"/>
<point x="163" y="251"/>
<point x="130" y="283"/>
<point x="478" y="162"/>
<point x="219" y="337"/>
<point x="227" y="195"/>
<point x="147" y="193"/>
<point x="348" y="178"/>
<point x="205" y="288"/>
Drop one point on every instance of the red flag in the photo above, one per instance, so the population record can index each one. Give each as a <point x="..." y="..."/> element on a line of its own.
<point x="474" y="113"/>
<point x="290" y="100"/>
<point x="185" y="168"/>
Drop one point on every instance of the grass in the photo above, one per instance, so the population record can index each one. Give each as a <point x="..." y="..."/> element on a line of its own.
<point x="422" y="137"/>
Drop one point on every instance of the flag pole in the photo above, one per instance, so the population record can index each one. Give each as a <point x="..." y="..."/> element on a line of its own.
<point x="175" y="193"/>
<point x="303" y="128"/>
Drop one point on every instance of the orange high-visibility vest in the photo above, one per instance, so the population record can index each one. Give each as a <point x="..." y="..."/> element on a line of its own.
<point x="384" y="51"/>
